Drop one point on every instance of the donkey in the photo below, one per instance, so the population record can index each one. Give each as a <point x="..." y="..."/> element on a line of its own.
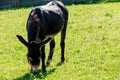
<point x="43" y="23"/>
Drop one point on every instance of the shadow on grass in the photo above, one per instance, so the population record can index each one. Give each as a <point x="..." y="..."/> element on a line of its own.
<point x="60" y="63"/>
<point x="41" y="75"/>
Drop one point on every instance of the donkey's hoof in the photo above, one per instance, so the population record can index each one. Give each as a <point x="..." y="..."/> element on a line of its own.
<point x="47" y="64"/>
<point x="44" y="70"/>
<point x="62" y="60"/>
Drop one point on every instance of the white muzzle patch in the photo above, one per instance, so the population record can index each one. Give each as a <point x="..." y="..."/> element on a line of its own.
<point x="36" y="70"/>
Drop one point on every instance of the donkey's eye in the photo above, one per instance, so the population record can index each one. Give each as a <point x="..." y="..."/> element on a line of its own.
<point x="30" y="59"/>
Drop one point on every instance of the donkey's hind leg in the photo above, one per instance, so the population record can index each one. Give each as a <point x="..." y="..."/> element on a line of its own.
<point x="62" y="43"/>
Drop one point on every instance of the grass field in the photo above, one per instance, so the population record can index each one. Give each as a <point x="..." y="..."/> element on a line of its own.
<point x="92" y="45"/>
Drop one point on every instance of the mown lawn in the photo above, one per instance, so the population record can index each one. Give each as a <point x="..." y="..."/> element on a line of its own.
<point x="92" y="45"/>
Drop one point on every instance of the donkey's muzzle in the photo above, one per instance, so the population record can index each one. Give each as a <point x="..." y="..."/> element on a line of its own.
<point x="35" y="69"/>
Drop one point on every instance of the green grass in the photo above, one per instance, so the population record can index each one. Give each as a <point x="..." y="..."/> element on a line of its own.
<point x="92" y="45"/>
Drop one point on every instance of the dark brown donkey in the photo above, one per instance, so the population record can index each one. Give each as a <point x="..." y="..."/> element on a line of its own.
<point x="43" y="23"/>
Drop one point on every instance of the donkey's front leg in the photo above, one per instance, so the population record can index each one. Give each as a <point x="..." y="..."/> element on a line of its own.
<point x="43" y="58"/>
<point x="52" y="45"/>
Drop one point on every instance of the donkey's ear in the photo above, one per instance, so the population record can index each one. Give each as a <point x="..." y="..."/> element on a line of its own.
<point x="44" y="42"/>
<point x="22" y="40"/>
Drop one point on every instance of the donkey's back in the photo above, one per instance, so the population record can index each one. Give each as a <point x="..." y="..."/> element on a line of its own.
<point x="54" y="15"/>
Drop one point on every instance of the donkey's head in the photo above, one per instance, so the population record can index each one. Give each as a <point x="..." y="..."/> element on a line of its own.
<point x="34" y="53"/>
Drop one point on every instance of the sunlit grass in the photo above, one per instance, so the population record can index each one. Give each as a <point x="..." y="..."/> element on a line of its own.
<point x="92" y="45"/>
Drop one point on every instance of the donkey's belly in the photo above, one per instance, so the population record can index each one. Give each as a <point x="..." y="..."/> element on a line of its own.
<point x="50" y="36"/>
